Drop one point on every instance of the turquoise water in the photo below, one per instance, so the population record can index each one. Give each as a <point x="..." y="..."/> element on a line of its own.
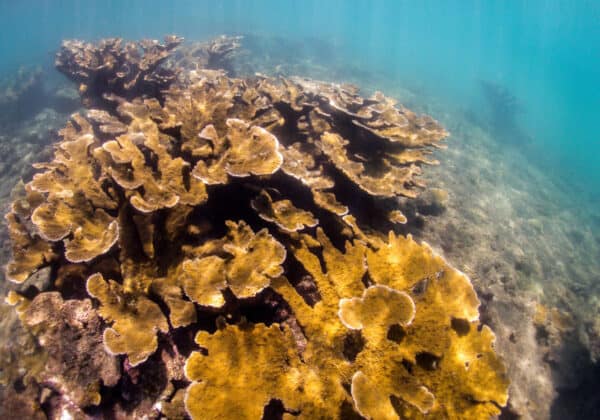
<point x="545" y="54"/>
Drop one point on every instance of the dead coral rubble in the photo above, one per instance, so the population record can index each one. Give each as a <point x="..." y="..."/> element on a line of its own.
<point x="254" y="214"/>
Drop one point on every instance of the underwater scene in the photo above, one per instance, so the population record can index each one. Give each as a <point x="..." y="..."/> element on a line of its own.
<point x="299" y="209"/>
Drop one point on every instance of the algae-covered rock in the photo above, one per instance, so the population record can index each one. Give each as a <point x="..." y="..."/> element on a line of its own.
<point x="71" y="333"/>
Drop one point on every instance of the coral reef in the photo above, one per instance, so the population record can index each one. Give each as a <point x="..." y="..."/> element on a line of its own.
<point x="420" y="351"/>
<point x="129" y="70"/>
<point x="259" y="215"/>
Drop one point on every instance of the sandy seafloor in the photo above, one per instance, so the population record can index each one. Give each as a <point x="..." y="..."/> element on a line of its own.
<point x="529" y="242"/>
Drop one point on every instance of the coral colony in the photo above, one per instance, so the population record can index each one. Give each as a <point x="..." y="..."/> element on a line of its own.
<point x="226" y="246"/>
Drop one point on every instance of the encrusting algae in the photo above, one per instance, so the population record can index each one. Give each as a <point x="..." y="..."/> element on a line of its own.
<point x="257" y="214"/>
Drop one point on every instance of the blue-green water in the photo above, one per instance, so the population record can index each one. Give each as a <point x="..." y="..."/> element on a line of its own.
<point x="546" y="54"/>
